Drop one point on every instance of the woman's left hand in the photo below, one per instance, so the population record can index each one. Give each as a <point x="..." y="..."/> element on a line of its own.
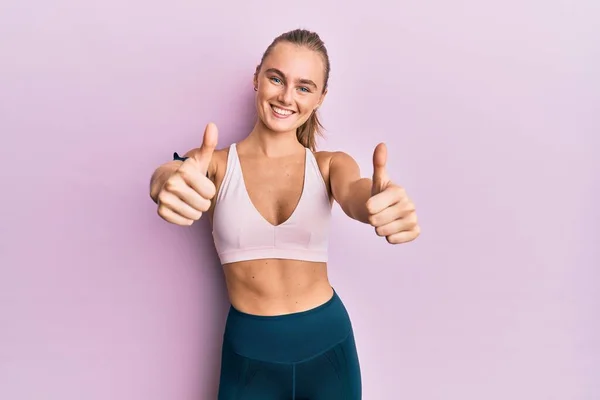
<point x="391" y="212"/>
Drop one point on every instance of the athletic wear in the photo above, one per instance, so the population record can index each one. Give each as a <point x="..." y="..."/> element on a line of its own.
<point x="241" y="233"/>
<point x="308" y="355"/>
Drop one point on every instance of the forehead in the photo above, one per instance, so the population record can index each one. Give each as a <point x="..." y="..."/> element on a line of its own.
<point x="296" y="62"/>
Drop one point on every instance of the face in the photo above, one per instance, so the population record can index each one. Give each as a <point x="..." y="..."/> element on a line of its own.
<point x="290" y="86"/>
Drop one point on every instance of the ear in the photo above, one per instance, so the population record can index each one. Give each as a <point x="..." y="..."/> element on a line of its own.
<point x="255" y="79"/>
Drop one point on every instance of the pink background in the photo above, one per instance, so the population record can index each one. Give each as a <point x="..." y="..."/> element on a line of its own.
<point x="491" y="114"/>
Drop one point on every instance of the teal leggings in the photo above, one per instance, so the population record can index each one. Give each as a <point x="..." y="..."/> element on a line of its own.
<point x="308" y="355"/>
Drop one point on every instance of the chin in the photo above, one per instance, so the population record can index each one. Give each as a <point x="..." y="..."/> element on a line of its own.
<point x="281" y="126"/>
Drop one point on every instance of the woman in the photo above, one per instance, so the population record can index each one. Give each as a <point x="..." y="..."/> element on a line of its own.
<point x="269" y="198"/>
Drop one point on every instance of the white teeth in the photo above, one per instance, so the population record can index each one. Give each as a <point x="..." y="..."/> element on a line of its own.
<point x="281" y="111"/>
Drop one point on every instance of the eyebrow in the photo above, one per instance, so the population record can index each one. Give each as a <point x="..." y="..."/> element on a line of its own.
<point x="302" y="81"/>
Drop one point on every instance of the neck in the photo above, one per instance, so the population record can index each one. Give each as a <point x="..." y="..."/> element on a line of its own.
<point x="272" y="144"/>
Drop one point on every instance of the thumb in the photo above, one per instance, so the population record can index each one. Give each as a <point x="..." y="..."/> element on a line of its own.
<point x="380" y="177"/>
<point x="209" y="143"/>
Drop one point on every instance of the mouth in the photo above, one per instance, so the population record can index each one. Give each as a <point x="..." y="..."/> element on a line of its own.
<point x="281" y="112"/>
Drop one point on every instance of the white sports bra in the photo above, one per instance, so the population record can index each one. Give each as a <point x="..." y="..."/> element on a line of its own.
<point x="241" y="233"/>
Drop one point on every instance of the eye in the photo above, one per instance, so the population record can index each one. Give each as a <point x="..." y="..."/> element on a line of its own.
<point x="275" y="80"/>
<point x="304" y="89"/>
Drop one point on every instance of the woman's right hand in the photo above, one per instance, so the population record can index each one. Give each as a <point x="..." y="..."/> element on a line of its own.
<point x="188" y="192"/>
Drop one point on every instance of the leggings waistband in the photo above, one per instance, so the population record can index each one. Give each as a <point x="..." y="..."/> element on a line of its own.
<point x="288" y="338"/>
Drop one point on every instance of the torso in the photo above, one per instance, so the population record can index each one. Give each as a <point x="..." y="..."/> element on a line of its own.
<point x="274" y="286"/>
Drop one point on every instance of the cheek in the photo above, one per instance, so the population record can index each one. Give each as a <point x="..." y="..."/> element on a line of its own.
<point x="263" y="97"/>
<point x="306" y="103"/>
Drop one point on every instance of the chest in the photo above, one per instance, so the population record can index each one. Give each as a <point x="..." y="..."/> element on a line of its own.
<point x="274" y="186"/>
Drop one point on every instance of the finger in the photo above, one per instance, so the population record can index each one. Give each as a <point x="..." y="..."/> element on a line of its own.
<point x="198" y="182"/>
<point x="405" y="236"/>
<point x="194" y="198"/>
<point x="174" y="218"/>
<point x="387" y="215"/>
<point x="209" y="143"/>
<point x="380" y="178"/>
<point x="387" y="198"/>
<point x="170" y="201"/>
<point x="400" y="225"/>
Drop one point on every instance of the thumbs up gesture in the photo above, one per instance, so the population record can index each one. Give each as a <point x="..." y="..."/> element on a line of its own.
<point x="391" y="212"/>
<point x="188" y="192"/>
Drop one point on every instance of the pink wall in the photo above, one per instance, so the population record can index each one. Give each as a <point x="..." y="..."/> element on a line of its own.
<point x="491" y="115"/>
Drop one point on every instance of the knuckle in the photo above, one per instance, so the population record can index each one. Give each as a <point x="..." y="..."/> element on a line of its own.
<point x="170" y="184"/>
<point x="369" y="207"/>
<point x="163" y="198"/>
<point x="184" y="172"/>
<point x="372" y="219"/>
<point x="408" y="210"/>
<point x="162" y="211"/>
<point x="412" y="223"/>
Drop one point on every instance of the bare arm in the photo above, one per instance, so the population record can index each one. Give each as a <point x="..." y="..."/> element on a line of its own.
<point x="378" y="201"/>
<point x="349" y="189"/>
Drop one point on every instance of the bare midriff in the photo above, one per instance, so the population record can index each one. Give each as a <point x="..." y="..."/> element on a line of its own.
<point x="269" y="287"/>
<point x="276" y="287"/>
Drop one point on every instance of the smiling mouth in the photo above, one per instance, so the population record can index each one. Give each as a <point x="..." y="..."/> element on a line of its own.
<point x="281" y="111"/>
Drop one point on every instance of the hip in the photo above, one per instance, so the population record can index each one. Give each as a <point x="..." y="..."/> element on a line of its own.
<point x="288" y="338"/>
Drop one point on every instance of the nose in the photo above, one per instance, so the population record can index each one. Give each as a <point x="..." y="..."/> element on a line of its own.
<point x="286" y="95"/>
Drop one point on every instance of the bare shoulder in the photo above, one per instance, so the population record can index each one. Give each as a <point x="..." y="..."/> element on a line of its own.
<point x="324" y="161"/>
<point x="327" y="158"/>
<point x="324" y="157"/>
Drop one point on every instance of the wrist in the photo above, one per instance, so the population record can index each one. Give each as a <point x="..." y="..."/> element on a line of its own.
<point x="361" y="190"/>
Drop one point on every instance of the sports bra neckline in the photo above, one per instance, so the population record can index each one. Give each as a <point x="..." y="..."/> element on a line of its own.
<point x="290" y="218"/>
